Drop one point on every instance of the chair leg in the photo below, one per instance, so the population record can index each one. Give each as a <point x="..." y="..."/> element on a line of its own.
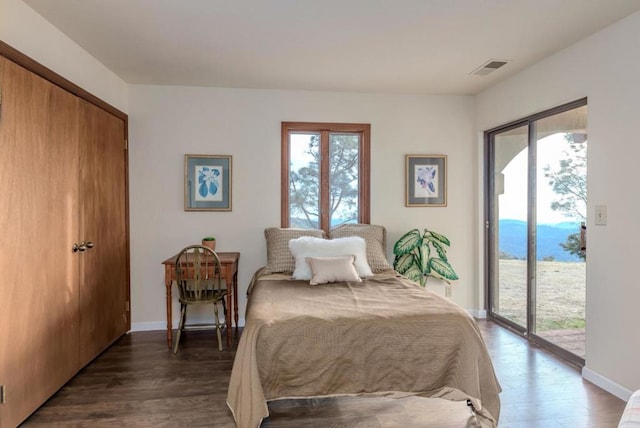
<point x="183" y="317"/>
<point x="218" y="333"/>
<point x="224" y="308"/>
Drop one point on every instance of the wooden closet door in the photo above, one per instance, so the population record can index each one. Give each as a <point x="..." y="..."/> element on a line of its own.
<point x="104" y="277"/>
<point x="39" y="224"/>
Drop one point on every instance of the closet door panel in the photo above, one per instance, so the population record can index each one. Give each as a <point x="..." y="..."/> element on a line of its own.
<point x="39" y="223"/>
<point x="104" y="278"/>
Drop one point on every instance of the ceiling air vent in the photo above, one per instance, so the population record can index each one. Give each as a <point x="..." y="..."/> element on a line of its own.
<point x="489" y="67"/>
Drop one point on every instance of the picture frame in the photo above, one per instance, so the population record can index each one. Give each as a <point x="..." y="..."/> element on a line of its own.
<point x="207" y="182"/>
<point x="426" y="181"/>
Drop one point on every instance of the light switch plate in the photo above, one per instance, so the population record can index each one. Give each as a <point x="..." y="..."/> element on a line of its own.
<point x="601" y="215"/>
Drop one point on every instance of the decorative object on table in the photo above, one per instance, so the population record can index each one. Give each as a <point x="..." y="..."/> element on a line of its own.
<point x="426" y="180"/>
<point x="209" y="242"/>
<point x="422" y="255"/>
<point x="207" y="183"/>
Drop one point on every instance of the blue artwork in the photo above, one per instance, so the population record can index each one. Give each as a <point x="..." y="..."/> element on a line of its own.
<point x="209" y="183"/>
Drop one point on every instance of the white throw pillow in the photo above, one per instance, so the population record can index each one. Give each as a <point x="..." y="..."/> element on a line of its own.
<point x="308" y="246"/>
<point x="332" y="269"/>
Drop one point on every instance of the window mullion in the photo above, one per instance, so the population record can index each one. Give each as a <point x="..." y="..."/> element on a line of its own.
<point x="324" y="180"/>
<point x="364" y="178"/>
<point x="284" y="175"/>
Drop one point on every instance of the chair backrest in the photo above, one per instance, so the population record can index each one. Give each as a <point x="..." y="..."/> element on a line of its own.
<point x="198" y="274"/>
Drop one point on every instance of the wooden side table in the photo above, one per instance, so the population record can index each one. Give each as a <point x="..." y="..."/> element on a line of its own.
<point x="229" y="264"/>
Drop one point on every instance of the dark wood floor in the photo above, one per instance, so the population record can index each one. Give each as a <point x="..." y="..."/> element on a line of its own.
<point x="138" y="382"/>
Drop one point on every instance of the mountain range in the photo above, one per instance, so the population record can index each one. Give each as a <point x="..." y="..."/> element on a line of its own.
<point x="513" y="240"/>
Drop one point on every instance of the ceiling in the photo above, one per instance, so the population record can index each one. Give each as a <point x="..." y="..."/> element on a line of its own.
<point x="380" y="46"/>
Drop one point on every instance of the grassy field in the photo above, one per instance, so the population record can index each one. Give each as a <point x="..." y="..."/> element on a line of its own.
<point x="560" y="294"/>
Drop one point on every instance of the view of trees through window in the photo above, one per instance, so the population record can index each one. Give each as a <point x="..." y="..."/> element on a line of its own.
<point x="325" y="187"/>
<point x="569" y="182"/>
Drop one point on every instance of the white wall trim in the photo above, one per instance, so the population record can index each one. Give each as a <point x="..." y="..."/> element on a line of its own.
<point x="148" y="326"/>
<point x="606" y="384"/>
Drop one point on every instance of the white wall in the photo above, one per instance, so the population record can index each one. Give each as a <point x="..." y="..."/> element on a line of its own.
<point x="165" y="123"/>
<point x="28" y="32"/>
<point x="606" y="69"/>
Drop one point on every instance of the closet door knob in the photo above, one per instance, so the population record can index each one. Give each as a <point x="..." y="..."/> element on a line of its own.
<point x="82" y="246"/>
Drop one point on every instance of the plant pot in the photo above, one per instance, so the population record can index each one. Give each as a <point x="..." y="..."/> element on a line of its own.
<point x="209" y="244"/>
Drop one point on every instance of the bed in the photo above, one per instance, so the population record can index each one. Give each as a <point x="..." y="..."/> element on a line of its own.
<point x="382" y="335"/>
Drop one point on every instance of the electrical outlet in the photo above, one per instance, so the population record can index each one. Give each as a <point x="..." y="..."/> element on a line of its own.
<point x="447" y="291"/>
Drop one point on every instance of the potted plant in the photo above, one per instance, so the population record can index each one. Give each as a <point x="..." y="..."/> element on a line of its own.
<point x="422" y="255"/>
<point x="209" y="242"/>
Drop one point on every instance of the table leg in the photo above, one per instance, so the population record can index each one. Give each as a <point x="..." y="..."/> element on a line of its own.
<point x="169" y="316"/>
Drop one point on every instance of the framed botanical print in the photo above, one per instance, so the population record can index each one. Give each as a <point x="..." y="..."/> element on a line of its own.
<point x="426" y="180"/>
<point x="207" y="183"/>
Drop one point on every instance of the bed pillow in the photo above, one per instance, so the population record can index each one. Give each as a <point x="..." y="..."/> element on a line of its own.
<point x="308" y="246"/>
<point x="376" y="242"/>
<point x="332" y="269"/>
<point x="279" y="258"/>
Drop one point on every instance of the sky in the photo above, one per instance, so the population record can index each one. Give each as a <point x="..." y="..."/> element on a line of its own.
<point x="513" y="202"/>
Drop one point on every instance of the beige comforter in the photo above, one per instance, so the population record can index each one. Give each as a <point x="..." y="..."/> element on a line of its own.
<point x="384" y="336"/>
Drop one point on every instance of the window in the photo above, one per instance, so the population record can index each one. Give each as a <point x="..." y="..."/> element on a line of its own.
<point x="325" y="174"/>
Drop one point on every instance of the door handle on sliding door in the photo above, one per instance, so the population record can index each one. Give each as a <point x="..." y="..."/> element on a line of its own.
<point x="583" y="238"/>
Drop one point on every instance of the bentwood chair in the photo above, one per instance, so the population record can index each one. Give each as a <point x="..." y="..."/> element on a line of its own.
<point x="199" y="283"/>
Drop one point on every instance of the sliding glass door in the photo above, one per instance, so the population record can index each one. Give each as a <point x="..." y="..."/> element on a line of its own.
<point x="510" y="184"/>
<point x="536" y="236"/>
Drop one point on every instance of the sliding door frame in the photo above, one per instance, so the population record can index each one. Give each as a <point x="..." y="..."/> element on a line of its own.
<point x="491" y="224"/>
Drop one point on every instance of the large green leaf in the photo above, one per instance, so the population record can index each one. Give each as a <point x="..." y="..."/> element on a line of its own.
<point x="423" y="258"/>
<point x="440" y="238"/>
<point x="442" y="252"/>
<point x="443" y="268"/>
<point x="403" y="263"/>
<point x="414" y="274"/>
<point x="407" y="242"/>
